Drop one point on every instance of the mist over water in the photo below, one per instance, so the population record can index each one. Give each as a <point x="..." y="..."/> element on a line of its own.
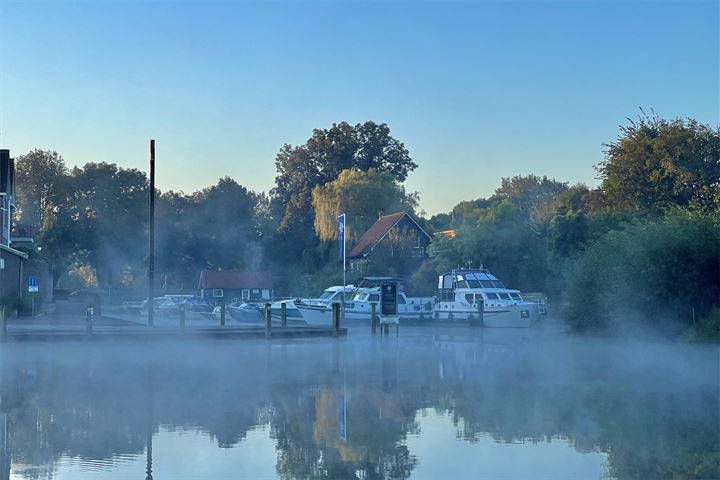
<point x="450" y="402"/>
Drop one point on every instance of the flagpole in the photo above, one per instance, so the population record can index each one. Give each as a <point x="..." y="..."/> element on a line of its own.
<point x="344" y="269"/>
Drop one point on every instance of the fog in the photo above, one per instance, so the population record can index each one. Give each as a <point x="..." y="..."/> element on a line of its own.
<point x="430" y="400"/>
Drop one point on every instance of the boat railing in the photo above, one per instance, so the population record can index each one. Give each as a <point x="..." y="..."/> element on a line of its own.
<point x="538" y="298"/>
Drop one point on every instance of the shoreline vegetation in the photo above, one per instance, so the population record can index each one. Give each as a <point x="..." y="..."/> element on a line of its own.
<point x="641" y="252"/>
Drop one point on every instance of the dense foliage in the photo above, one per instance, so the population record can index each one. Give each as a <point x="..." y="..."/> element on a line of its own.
<point x="640" y="250"/>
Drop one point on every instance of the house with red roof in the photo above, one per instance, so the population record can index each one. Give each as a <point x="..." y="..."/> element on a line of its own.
<point x="235" y="285"/>
<point x="396" y="235"/>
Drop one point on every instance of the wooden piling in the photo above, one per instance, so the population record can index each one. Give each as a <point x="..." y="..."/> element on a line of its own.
<point x="335" y="319"/>
<point x="373" y="318"/>
<point x="283" y="314"/>
<point x="481" y="312"/>
<point x="89" y="320"/>
<point x="268" y="320"/>
<point x="222" y="313"/>
<point x="3" y="324"/>
<point x="183" y="315"/>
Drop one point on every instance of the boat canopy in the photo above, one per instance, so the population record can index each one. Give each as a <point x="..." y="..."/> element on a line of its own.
<point x="470" y="279"/>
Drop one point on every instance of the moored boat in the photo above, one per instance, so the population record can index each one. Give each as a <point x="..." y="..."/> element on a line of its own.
<point x="467" y="295"/>
<point x="359" y="306"/>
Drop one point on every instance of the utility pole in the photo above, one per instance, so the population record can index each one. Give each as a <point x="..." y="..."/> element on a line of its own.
<point x="151" y="246"/>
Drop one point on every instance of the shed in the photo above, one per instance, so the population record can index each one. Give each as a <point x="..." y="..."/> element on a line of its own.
<point x="231" y="285"/>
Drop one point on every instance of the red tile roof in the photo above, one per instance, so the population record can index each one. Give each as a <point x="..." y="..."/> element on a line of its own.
<point x="234" y="279"/>
<point x="377" y="232"/>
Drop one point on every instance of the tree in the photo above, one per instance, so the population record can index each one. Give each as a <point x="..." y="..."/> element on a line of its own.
<point x="534" y="197"/>
<point x="656" y="164"/>
<point x="215" y="228"/>
<point x="38" y="174"/>
<point x="99" y="218"/>
<point x="499" y="241"/>
<point x="362" y="196"/>
<point x="654" y="272"/>
<point x="320" y="160"/>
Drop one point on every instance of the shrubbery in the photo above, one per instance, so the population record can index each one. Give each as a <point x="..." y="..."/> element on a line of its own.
<point x="652" y="273"/>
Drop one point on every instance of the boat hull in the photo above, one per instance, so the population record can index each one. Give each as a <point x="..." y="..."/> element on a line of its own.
<point x="509" y="316"/>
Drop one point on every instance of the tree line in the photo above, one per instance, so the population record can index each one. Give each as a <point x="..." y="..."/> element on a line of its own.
<point x="642" y="245"/>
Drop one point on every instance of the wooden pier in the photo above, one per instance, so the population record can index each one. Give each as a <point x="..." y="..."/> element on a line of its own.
<point x="106" y="328"/>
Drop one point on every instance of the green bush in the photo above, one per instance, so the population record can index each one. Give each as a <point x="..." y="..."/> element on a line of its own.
<point x="650" y="274"/>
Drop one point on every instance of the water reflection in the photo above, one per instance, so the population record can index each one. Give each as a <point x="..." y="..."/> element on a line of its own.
<point x="420" y="405"/>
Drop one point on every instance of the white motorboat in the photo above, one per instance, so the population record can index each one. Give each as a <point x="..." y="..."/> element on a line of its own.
<point x="359" y="307"/>
<point x="330" y="295"/>
<point x="466" y="295"/>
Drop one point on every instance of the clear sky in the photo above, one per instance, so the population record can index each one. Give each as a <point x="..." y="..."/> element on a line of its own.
<point x="475" y="90"/>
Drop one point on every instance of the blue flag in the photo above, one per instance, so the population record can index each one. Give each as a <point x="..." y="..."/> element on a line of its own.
<point x="341" y="236"/>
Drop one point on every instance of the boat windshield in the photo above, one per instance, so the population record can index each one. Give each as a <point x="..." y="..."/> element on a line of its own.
<point x="327" y="294"/>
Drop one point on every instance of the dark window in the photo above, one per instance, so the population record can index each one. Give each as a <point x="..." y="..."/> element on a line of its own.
<point x="473" y="283"/>
<point x="515" y="296"/>
<point x="469" y="298"/>
<point x="505" y="296"/>
<point x="498" y="284"/>
<point x="487" y="284"/>
<point x="492" y="296"/>
<point x="375" y="297"/>
<point x="401" y="299"/>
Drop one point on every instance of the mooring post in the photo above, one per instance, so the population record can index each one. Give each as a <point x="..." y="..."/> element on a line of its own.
<point x="3" y="323"/>
<point x="183" y="315"/>
<point x="373" y="318"/>
<point x="222" y="313"/>
<point x="268" y="320"/>
<point x="283" y="314"/>
<point x="481" y="311"/>
<point x="89" y="313"/>
<point x="335" y="319"/>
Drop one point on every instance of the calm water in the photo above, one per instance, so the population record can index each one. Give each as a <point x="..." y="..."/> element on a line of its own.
<point x="432" y="404"/>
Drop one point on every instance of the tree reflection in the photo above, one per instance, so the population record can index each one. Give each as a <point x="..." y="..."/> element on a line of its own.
<point x="349" y="416"/>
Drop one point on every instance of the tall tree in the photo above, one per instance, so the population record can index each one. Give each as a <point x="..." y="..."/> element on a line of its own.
<point x="320" y="160"/>
<point x="656" y="164"/>
<point x="533" y="196"/>
<point x="362" y="196"/>
<point x="38" y="174"/>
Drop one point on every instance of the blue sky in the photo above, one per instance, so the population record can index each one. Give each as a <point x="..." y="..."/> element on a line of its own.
<point x="476" y="90"/>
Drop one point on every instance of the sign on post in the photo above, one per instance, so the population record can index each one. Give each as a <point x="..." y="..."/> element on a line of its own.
<point x="33" y="284"/>
<point x="388" y="300"/>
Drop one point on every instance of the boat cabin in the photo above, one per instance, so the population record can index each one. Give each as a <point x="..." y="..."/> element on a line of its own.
<point x="469" y="286"/>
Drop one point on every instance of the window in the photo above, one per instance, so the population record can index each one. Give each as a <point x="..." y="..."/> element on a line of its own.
<point x="447" y="282"/>
<point x="516" y="296"/>
<point x="401" y="299"/>
<point x="245" y="294"/>
<point x="498" y="283"/>
<point x="375" y="297"/>
<point x="492" y="296"/>
<point x="217" y="292"/>
<point x="469" y="298"/>
<point x="505" y="296"/>
<point x="487" y="283"/>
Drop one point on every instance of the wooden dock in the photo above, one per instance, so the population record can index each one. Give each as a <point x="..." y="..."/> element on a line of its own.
<point x="109" y="329"/>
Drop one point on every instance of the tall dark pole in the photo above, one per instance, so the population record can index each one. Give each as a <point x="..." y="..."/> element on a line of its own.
<point x="151" y="251"/>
